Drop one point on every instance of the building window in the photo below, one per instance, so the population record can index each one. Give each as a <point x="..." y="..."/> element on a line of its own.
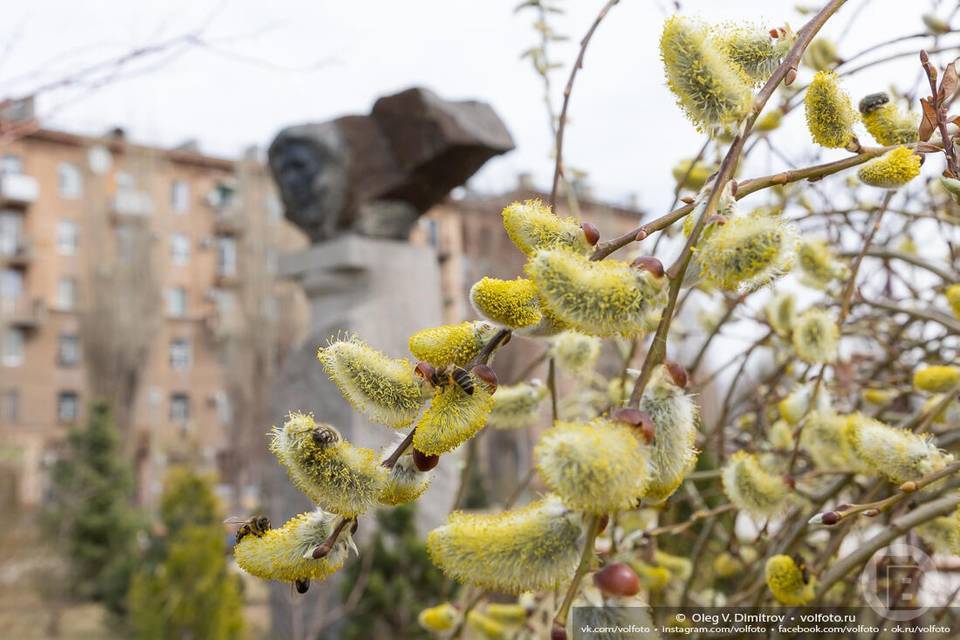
<point x="68" y="350"/>
<point x="69" y="180"/>
<point x="10" y="407"/>
<point x="177" y="302"/>
<point x="13" y="347"/>
<point x="180" y="249"/>
<point x="180" y="196"/>
<point x="11" y="165"/>
<point x="226" y="256"/>
<point x="11" y="288"/>
<point x="68" y="406"/>
<point x="68" y="237"/>
<point x="224" y="408"/>
<point x="181" y="354"/>
<point x="11" y="232"/>
<point x="179" y="408"/>
<point x="67" y="294"/>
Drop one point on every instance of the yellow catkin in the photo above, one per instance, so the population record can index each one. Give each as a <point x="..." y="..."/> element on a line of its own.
<point x="485" y="626"/>
<point x="953" y="298"/>
<point x="751" y="49"/>
<point x="449" y="344"/>
<point x="824" y="439"/>
<point x="830" y="115"/>
<point x="693" y="175"/>
<point x="821" y="55"/>
<point x="943" y="533"/>
<point x="892" y="170"/>
<point x="786" y="581"/>
<point x="334" y="474"/>
<point x="751" y="488"/>
<point x="405" y="483"/>
<point x="517" y="406"/>
<point x="598" y="468"/>
<point x="936" y="379"/>
<point x="442" y="617"/>
<point x="780" y="436"/>
<point x="532" y="548"/>
<point x="532" y="226"/>
<point x="711" y="91"/>
<point x="816" y="336"/>
<point x="507" y="303"/>
<point x="575" y="352"/>
<point x="286" y="554"/>
<point x="747" y="252"/>
<point x="599" y="298"/>
<point x="383" y="389"/>
<point x="781" y="312"/>
<point x="508" y="614"/>
<point x="452" y="418"/>
<point x="820" y="267"/>
<point x="897" y="454"/>
<point x="674" y="417"/>
<point x="884" y="121"/>
<point x="793" y="407"/>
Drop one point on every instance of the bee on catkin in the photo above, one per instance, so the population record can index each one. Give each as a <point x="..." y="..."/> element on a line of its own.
<point x="574" y="352"/>
<point x="334" y="474"/>
<point x="752" y="488"/>
<point x="674" y="416"/>
<point x="816" y="336"/>
<point x="508" y="303"/>
<point x="712" y="92"/>
<point x="891" y="170"/>
<point x="936" y="379"/>
<point x="451" y="344"/>
<point x="820" y="267"/>
<point x="532" y="548"/>
<point x="405" y="482"/>
<point x="452" y="417"/>
<point x="286" y="554"/>
<point x="789" y="582"/>
<point x="383" y="389"/>
<point x="830" y="115"/>
<point x="600" y="298"/>
<point x="897" y="454"/>
<point x="752" y="49"/>
<point x="598" y="468"/>
<point x="747" y="251"/>
<point x="517" y="406"/>
<point x="884" y="121"/>
<point x="532" y="226"/>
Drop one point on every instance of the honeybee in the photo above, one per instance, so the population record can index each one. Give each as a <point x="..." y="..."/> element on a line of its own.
<point x="450" y="374"/>
<point x="802" y="565"/>
<point x="301" y="586"/>
<point x="324" y="436"/>
<point x="873" y="101"/>
<point x="255" y="526"/>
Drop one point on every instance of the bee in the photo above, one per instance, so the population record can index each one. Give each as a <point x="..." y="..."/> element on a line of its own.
<point x="324" y="436"/>
<point x="255" y="526"/>
<point x="302" y="586"/>
<point x="802" y="565"/>
<point x="873" y="101"/>
<point x="450" y="374"/>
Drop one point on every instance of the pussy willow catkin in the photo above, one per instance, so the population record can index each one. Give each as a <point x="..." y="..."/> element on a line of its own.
<point x="953" y="298"/>
<point x="405" y="483"/>
<point x="574" y="352"/>
<point x="830" y="115"/>
<point x="452" y="418"/>
<point x="334" y="474"/>
<point x="892" y="170"/>
<point x="793" y="407"/>
<point x="517" y="406"/>
<point x="747" y="251"/>
<point x="943" y="533"/>
<point x="383" y="389"/>
<point x="598" y="468"/>
<point x="286" y="554"/>
<point x="818" y="264"/>
<point x="532" y="548"/>
<point x="823" y="437"/>
<point x="751" y="49"/>
<point x="693" y="175"/>
<point x="674" y="417"/>
<point x="884" y="121"/>
<point x="454" y="344"/>
<point x="781" y="312"/>
<point x="442" y="617"/>
<point x="936" y="378"/>
<point x="897" y="454"/>
<point x="786" y="581"/>
<point x="752" y="488"/>
<point x="532" y="226"/>
<point x="816" y="336"/>
<point x="508" y="303"/>
<point x="600" y="298"/>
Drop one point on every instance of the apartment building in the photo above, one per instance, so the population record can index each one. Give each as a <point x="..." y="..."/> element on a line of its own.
<point x="162" y="248"/>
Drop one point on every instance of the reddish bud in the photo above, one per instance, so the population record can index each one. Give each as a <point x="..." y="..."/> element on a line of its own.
<point x="590" y="232"/>
<point x="872" y="513"/>
<point x="617" y="579"/>
<point x="603" y="522"/>
<point x="322" y="551"/>
<point x="687" y="200"/>
<point x="649" y="263"/>
<point x="830" y="518"/>
<point x="486" y="375"/>
<point x="354" y="527"/>
<point x="424" y="462"/>
<point x="774" y="33"/>
<point x="909" y="486"/>
<point x="842" y="507"/>
<point x="558" y="633"/>
<point x="790" y="77"/>
<point x="641" y="235"/>
<point x="636" y="418"/>
<point x="678" y="373"/>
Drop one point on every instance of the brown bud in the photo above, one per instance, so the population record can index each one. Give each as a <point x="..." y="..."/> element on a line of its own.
<point x="717" y="219"/>
<point x="590" y="232"/>
<point x="678" y="373"/>
<point x="774" y="33"/>
<point x="830" y="518"/>
<point x="733" y="188"/>
<point x="636" y="418"/>
<point x="322" y="551"/>
<point x="842" y="507"/>
<point x="603" y="522"/>
<point x="649" y="263"/>
<point x="687" y="200"/>
<point x="617" y="579"/>
<point x="872" y="513"/>
<point x="486" y="375"/>
<point x="354" y="527"/>
<point x="790" y="77"/>
<point x="506" y="339"/>
<point x="558" y="632"/>
<point x="641" y="235"/>
<point x="302" y="586"/>
<point x="908" y="487"/>
<point x="423" y="461"/>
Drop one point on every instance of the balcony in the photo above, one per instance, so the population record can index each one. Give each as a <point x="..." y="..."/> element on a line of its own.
<point x="228" y="221"/>
<point x="16" y="253"/>
<point x="18" y="189"/>
<point x="132" y="204"/>
<point x="23" y="312"/>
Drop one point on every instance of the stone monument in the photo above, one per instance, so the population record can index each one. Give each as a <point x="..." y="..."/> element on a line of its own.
<point x="356" y="185"/>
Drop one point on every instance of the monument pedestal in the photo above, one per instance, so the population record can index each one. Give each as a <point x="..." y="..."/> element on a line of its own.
<point x="383" y="291"/>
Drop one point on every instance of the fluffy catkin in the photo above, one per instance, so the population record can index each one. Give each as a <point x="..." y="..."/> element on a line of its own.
<point x="892" y="170"/>
<point x="797" y="403"/>
<point x="598" y="468"/>
<point x="823" y="437"/>
<point x="751" y="50"/>
<point x="953" y="298"/>
<point x="455" y="344"/>
<point x="897" y="454"/>
<point x="943" y="533"/>
<point x="532" y="226"/>
<point x="334" y="474"/>
<point x="830" y="115"/>
<point x="517" y="406"/>
<point x="383" y="389"/>
<point x="600" y="298"/>
<point x="937" y="378"/>
<point x="452" y="418"/>
<point x="440" y="618"/>
<point x="786" y="583"/>
<point x="508" y="303"/>
<point x="575" y="352"/>
<point x="532" y="548"/>
<point x="884" y="121"/>
<point x="711" y="91"/>
<point x="816" y="336"/>
<point x="747" y="251"/>
<point x="820" y="267"/>
<point x="780" y="312"/>
<point x="674" y="416"/>
<point x="405" y="483"/>
<point x="751" y="488"/>
<point x="286" y="554"/>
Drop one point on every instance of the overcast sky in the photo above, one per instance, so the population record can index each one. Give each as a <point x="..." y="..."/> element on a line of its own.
<point x="285" y="62"/>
